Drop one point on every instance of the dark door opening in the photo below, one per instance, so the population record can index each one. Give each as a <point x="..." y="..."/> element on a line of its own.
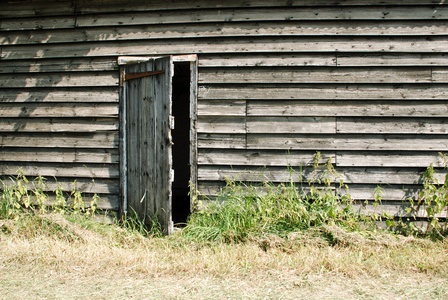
<point x="181" y="139"/>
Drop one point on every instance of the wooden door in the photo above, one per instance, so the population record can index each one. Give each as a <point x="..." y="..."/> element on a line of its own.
<point x="147" y="139"/>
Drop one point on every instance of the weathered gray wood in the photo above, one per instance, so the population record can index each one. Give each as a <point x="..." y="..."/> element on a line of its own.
<point x="99" y="185"/>
<point x="148" y="107"/>
<point x="59" y="79"/>
<point x="266" y="60"/>
<point x="59" y="65"/>
<point x="57" y="125"/>
<point x="25" y="109"/>
<point x="396" y="210"/>
<point x="233" y="29"/>
<point x="221" y="125"/>
<point x="221" y="108"/>
<point x="263" y="14"/>
<point x="439" y="75"/>
<point x="396" y="125"/>
<point x="60" y="140"/>
<point x="422" y="59"/>
<point x="105" y="202"/>
<point x="103" y="156"/>
<point x="88" y="6"/>
<point x="260" y="45"/>
<point x="347" y="142"/>
<point x="336" y="92"/>
<point x="98" y="94"/>
<point x="230" y="141"/>
<point x="355" y="175"/>
<point x="260" y="157"/>
<point x="319" y="75"/>
<point x="61" y="170"/>
<point x="53" y="22"/>
<point x="16" y="9"/>
<point x="291" y="125"/>
<point x="385" y="159"/>
<point x="347" y="108"/>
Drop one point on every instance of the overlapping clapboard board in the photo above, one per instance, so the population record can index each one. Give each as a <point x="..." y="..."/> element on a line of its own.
<point x="364" y="84"/>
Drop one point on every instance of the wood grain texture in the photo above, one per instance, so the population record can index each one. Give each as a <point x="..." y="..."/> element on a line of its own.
<point x="58" y="110"/>
<point x="58" y="125"/>
<point x="61" y="170"/>
<point x="233" y="45"/>
<point x="99" y="156"/>
<point x="335" y="92"/>
<point x="353" y="108"/>
<point x="60" y="140"/>
<point x="78" y="79"/>
<point x="62" y="95"/>
<point x="223" y="29"/>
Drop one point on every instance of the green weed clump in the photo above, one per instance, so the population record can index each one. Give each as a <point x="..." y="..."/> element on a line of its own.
<point x="19" y="196"/>
<point x="244" y="211"/>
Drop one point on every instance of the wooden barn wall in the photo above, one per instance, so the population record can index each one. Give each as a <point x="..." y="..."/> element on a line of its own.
<point x="364" y="82"/>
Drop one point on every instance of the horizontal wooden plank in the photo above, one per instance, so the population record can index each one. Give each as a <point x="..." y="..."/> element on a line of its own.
<point x="92" y="79"/>
<point x="440" y="75"/>
<point x="357" y="192"/>
<point x="348" y="142"/>
<point x="25" y="109"/>
<point x="349" y="176"/>
<point x="221" y="108"/>
<point x="103" y="156"/>
<point x="235" y="45"/>
<point x="262" y="14"/>
<point x="291" y="125"/>
<point x="348" y="108"/>
<point x="267" y="60"/>
<point x="318" y="75"/>
<point x="395" y="209"/>
<point x="260" y="157"/>
<point x="53" y="22"/>
<point x="50" y="184"/>
<point x="61" y="170"/>
<point x="396" y="125"/>
<point x="78" y="95"/>
<point x="57" y="125"/>
<point x="102" y="6"/>
<point x="233" y="29"/>
<point x="336" y="92"/>
<point x="230" y="141"/>
<point x="60" y="140"/>
<point x="59" y="65"/>
<point x="19" y="9"/>
<point x="400" y="159"/>
<point x="402" y="59"/>
<point x="106" y="202"/>
<point x="221" y="125"/>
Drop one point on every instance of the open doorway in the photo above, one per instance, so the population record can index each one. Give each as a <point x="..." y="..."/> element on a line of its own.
<point x="158" y="136"/>
<point x="181" y="142"/>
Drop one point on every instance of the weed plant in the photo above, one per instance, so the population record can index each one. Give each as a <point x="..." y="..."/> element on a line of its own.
<point x="246" y="211"/>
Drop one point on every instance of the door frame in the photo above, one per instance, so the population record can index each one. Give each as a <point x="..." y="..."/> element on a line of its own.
<point x="126" y="60"/>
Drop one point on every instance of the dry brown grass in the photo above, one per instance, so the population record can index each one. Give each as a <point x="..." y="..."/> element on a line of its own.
<point x="109" y="262"/>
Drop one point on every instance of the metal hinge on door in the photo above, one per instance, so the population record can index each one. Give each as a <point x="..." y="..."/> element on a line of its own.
<point x="142" y="74"/>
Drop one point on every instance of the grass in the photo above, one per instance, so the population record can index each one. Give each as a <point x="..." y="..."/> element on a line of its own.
<point x="286" y="242"/>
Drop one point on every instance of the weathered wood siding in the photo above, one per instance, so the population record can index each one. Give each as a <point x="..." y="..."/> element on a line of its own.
<point x="364" y="82"/>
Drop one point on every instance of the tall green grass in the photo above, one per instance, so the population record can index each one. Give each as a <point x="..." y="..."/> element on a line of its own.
<point x="243" y="211"/>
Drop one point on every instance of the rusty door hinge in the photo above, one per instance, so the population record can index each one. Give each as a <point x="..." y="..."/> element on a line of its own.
<point x="142" y="74"/>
